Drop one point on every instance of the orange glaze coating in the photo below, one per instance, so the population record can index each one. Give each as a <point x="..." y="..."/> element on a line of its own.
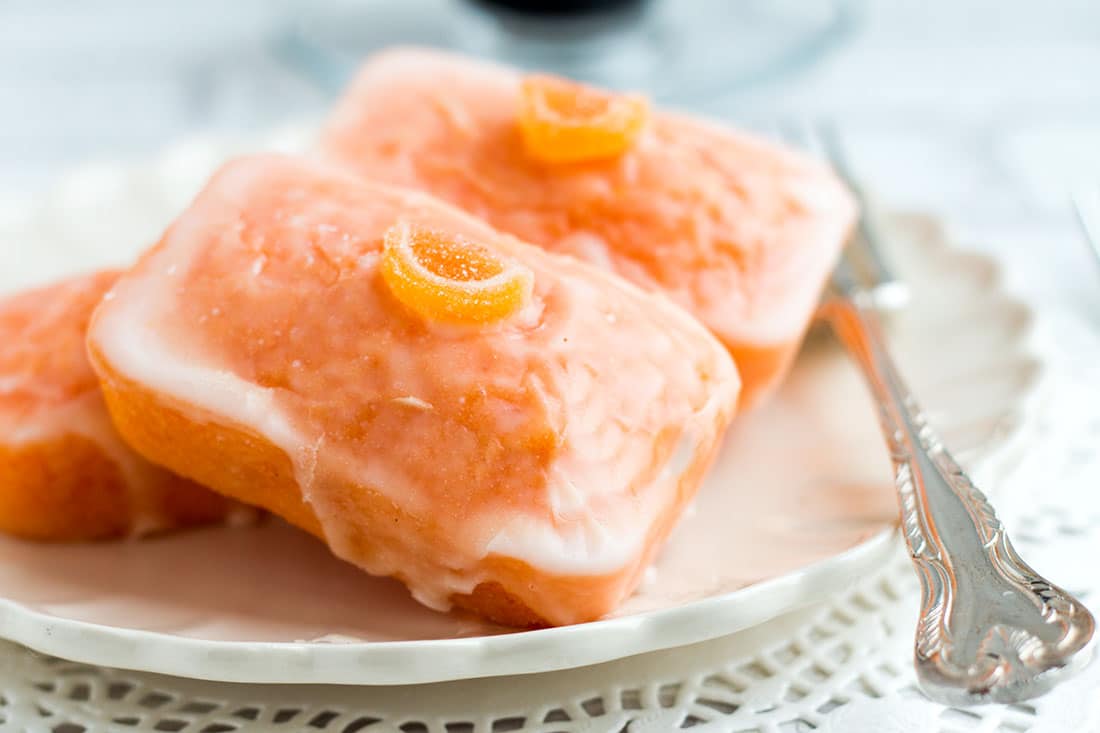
<point x="739" y="231"/>
<point x="64" y="472"/>
<point x="527" y="469"/>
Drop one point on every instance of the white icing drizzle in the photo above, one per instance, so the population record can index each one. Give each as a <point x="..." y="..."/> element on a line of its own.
<point x="415" y="402"/>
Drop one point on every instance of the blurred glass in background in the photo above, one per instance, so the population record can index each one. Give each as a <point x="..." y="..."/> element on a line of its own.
<point x="676" y="51"/>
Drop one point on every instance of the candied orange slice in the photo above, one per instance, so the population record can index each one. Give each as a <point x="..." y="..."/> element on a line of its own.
<point x="565" y="122"/>
<point x="449" y="278"/>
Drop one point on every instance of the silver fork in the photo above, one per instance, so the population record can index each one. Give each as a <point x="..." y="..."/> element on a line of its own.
<point x="991" y="629"/>
<point x="1087" y="204"/>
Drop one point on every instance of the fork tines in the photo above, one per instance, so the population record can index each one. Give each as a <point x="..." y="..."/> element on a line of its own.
<point x="1087" y="204"/>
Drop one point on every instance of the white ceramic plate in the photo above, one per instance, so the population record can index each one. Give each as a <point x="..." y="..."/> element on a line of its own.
<point x="799" y="504"/>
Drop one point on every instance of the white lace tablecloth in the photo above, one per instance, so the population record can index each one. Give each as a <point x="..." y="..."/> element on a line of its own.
<point x="842" y="667"/>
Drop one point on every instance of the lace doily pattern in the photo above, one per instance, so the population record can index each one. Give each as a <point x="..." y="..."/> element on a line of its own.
<point x="841" y="667"/>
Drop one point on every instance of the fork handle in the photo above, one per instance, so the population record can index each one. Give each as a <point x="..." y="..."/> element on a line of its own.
<point x="991" y="629"/>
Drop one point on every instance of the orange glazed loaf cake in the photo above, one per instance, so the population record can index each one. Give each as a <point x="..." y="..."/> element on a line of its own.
<point x="500" y="428"/>
<point x="65" y="474"/>
<point x="740" y="232"/>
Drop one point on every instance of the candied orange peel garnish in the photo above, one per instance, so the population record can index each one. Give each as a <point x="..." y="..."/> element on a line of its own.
<point x="565" y="122"/>
<point x="449" y="278"/>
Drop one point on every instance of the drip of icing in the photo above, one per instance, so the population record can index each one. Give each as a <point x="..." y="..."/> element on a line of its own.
<point x="413" y="402"/>
<point x="306" y="471"/>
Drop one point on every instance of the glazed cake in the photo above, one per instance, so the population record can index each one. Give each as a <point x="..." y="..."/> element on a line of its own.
<point x="500" y="428"/>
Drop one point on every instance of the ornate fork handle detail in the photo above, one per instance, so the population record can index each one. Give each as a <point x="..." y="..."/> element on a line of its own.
<point x="991" y="629"/>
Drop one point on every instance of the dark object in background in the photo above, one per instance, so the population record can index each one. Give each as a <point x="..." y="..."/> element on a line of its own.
<point x="687" y="52"/>
<point x="558" y="7"/>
